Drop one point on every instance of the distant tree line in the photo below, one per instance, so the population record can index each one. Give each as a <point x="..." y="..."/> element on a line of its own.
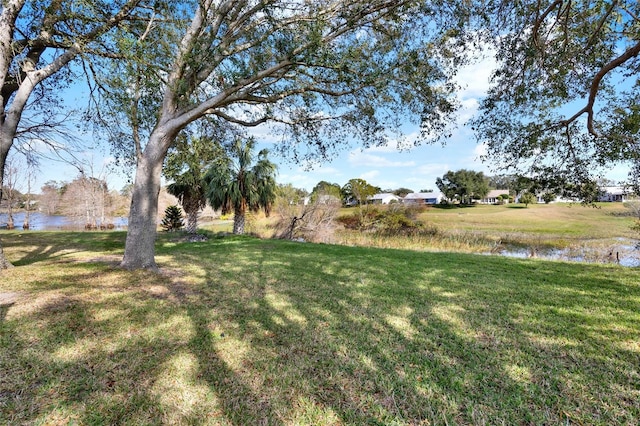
<point x="86" y="199"/>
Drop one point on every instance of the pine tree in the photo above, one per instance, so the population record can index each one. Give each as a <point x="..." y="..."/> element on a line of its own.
<point x="172" y="220"/>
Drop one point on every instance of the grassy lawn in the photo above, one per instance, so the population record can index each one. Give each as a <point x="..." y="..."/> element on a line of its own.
<point x="560" y="219"/>
<point x="242" y="331"/>
<point x="483" y="229"/>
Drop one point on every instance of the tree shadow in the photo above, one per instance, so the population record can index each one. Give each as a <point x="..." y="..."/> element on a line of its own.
<point x="242" y="331"/>
<point x="39" y="246"/>
<point x="378" y="356"/>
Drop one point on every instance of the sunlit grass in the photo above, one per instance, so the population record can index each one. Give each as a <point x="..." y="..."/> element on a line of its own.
<point x="239" y="331"/>
<point x="483" y="228"/>
<point x="572" y="220"/>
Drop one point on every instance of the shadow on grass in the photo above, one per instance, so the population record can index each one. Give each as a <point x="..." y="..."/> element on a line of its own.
<point x="245" y="331"/>
<point x="40" y="246"/>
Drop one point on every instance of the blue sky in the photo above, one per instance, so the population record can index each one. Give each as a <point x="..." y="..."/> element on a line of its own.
<point x="385" y="167"/>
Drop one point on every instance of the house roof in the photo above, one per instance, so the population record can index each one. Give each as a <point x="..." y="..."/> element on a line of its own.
<point x="383" y="196"/>
<point x="614" y="190"/>
<point x="423" y="195"/>
<point x="495" y="193"/>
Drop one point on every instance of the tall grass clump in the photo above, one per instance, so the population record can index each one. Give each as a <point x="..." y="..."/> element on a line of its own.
<point x="405" y="227"/>
<point x="391" y="221"/>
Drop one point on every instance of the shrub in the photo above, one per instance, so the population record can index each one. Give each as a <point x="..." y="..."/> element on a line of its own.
<point x="396" y="220"/>
<point x="548" y="197"/>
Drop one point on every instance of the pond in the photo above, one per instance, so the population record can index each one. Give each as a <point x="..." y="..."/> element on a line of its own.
<point x="624" y="251"/>
<point x="43" y="222"/>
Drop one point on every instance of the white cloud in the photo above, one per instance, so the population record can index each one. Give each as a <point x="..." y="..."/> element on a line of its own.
<point x="360" y="158"/>
<point x="370" y="175"/>
<point x="108" y="160"/>
<point x="474" y="78"/>
<point x="480" y="150"/>
<point x="433" y="169"/>
<point x="468" y="108"/>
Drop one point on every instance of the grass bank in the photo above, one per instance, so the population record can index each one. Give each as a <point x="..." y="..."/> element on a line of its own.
<point x="483" y="229"/>
<point x="240" y="331"/>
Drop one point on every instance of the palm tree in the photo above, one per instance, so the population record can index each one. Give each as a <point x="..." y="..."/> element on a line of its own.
<point x="189" y="189"/>
<point x="186" y="163"/>
<point x="239" y="185"/>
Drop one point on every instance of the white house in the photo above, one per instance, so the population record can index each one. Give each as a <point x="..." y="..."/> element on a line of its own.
<point x="423" y="198"/>
<point x="384" y="198"/>
<point x="493" y="197"/>
<point x="613" y="193"/>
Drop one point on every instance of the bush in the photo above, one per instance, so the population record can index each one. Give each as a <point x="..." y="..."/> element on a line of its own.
<point x="548" y="197"/>
<point x="396" y="220"/>
<point x="527" y="198"/>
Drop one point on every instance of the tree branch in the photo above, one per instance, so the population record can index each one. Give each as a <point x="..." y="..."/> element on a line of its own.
<point x="630" y="53"/>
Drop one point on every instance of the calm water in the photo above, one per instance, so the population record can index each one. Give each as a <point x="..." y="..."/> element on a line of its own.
<point x="624" y="251"/>
<point x="42" y="222"/>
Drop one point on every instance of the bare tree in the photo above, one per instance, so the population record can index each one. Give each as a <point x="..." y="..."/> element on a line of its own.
<point x="87" y="199"/>
<point x="11" y="177"/>
<point x="311" y="222"/>
<point x="50" y="197"/>
<point x="38" y="40"/>
<point x="27" y="204"/>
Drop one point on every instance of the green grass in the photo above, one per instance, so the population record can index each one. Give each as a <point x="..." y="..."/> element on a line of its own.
<point x="573" y="220"/>
<point x="483" y="228"/>
<point x="240" y="331"/>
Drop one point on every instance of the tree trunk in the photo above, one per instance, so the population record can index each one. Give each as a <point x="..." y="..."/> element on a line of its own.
<point x="238" y="221"/>
<point x="139" y="251"/>
<point x="192" y="222"/>
<point x="4" y="151"/>
<point x="10" y="224"/>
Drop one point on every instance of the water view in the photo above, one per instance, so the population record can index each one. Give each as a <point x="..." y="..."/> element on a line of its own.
<point x="624" y="251"/>
<point x="43" y="222"/>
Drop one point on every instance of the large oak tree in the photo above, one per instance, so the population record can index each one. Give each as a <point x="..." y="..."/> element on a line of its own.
<point x="564" y="103"/>
<point x="463" y="185"/>
<point x="321" y="72"/>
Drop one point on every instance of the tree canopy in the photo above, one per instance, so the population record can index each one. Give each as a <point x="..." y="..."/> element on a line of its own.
<point x="319" y="73"/>
<point x="401" y="192"/>
<point x="564" y="98"/>
<point x="38" y="40"/>
<point x="463" y="185"/>
<point x="324" y="188"/>
<point x="358" y="190"/>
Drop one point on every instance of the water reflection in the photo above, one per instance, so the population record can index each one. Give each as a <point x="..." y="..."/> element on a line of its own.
<point x="623" y="251"/>
<point x="42" y="222"/>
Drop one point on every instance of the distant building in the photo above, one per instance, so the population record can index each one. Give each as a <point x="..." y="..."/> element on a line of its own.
<point x="423" y="198"/>
<point x="384" y="198"/>
<point x="494" y="196"/>
<point x="614" y="193"/>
